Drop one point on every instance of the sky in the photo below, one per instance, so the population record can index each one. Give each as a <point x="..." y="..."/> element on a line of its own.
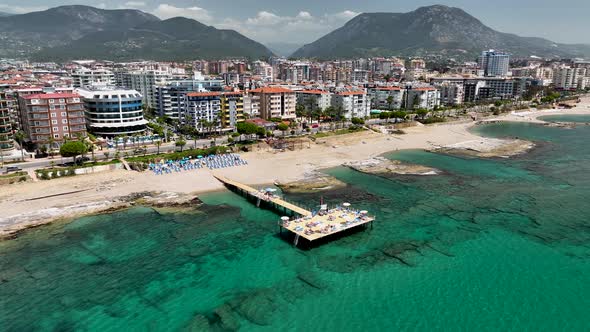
<point x="304" y="21"/>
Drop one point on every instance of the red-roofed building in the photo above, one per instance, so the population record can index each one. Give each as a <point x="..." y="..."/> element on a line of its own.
<point x="380" y="97"/>
<point x="57" y="116"/>
<point x="274" y="102"/>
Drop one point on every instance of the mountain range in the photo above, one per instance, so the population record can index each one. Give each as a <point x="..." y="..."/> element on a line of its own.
<point x="428" y="30"/>
<point x="75" y="32"/>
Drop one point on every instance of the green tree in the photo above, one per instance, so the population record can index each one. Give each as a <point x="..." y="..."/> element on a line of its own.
<point x="20" y="137"/>
<point x="421" y="112"/>
<point x="390" y="103"/>
<point x="357" y="121"/>
<point x="180" y="142"/>
<point x="247" y="128"/>
<point x="73" y="149"/>
<point x="283" y="127"/>
<point x="158" y="144"/>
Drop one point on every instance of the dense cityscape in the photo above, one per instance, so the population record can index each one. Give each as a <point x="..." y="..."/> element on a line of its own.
<point x="45" y="104"/>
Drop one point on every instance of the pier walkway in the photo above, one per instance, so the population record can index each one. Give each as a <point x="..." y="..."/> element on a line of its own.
<point x="256" y="193"/>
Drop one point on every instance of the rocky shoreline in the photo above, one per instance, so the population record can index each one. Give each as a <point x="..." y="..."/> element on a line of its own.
<point x="12" y="226"/>
<point x="384" y="166"/>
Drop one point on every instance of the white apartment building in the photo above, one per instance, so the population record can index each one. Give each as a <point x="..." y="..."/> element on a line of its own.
<point x="423" y="97"/>
<point x="451" y="94"/>
<point x="87" y="77"/>
<point x="568" y="78"/>
<point x="314" y="99"/>
<point x="144" y="81"/>
<point x="355" y="104"/>
<point x="379" y="97"/>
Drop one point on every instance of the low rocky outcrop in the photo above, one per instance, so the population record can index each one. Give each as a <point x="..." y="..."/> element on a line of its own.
<point x="312" y="182"/>
<point x="384" y="166"/>
<point x="489" y="148"/>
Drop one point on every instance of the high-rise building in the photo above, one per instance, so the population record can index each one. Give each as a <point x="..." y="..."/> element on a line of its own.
<point x="355" y="104"/>
<point x="113" y="111"/>
<point x="568" y="78"/>
<point x="274" y="102"/>
<point x="6" y="138"/>
<point x="494" y="63"/>
<point x="380" y="97"/>
<point x="144" y="81"/>
<point x="314" y="100"/>
<point x="88" y="77"/>
<point x="213" y="111"/>
<point x="48" y="117"/>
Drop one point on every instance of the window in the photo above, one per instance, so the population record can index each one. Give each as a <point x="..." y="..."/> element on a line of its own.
<point x="62" y="100"/>
<point x="65" y="128"/>
<point x="76" y="100"/>
<point x="51" y="107"/>
<point x="53" y="121"/>
<point x="66" y="135"/>
<point x="55" y="135"/>
<point x="64" y="121"/>
<point x="51" y="101"/>
<point x="53" y="115"/>
<point x="64" y="114"/>
<point x="55" y="129"/>
<point x="35" y="101"/>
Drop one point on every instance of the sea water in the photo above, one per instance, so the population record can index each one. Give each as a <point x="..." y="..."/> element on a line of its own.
<point x="488" y="245"/>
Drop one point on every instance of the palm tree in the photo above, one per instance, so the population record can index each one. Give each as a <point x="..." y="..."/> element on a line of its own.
<point x="20" y="137"/>
<point x="158" y="144"/>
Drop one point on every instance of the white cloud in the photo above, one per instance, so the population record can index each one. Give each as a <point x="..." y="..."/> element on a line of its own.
<point x="101" y="5"/>
<point x="301" y="28"/>
<point x="165" y="11"/>
<point x="21" y="9"/>
<point x="265" y="26"/>
<point x="134" y="4"/>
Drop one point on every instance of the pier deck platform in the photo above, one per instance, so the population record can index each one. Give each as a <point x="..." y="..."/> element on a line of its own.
<point x="308" y="226"/>
<point x="332" y="222"/>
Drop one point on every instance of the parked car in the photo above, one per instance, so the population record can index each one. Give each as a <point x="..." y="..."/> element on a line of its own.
<point x="13" y="169"/>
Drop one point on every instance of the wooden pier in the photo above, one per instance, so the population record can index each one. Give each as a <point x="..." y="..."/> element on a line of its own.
<point x="260" y="196"/>
<point x="307" y="225"/>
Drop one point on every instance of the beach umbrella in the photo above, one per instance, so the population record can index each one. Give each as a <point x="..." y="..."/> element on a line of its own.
<point x="285" y="218"/>
<point x="364" y="212"/>
<point x="346" y="204"/>
<point x="270" y="190"/>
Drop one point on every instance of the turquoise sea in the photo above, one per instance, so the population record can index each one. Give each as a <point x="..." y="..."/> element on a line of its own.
<point x="489" y="245"/>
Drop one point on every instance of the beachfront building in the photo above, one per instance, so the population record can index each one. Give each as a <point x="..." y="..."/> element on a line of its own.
<point x="314" y="100"/>
<point x="355" y="104"/>
<point x="422" y="97"/>
<point x="568" y="78"/>
<point x="88" y="77"/>
<point x="169" y="98"/>
<point x="451" y="94"/>
<point x="380" y="97"/>
<point x="112" y="111"/>
<point x="213" y="111"/>
<point x="274" y="102"/>
<point x="51" y="118"/>
<point x="6" y="137"/>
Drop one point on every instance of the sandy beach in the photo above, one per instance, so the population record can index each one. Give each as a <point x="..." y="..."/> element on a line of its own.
<point x="28" y="204"/>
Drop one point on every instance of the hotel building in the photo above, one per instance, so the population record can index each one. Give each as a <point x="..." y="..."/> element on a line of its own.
<point x="112" y="111"/>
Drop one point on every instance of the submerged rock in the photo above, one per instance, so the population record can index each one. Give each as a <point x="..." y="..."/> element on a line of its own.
<point x="384" y="166"/>
<point x="199" y="323"/>
<point x="313" y="182"/>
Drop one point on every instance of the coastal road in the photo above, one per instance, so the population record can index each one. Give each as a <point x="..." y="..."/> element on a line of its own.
<point x="99" y="154"/>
